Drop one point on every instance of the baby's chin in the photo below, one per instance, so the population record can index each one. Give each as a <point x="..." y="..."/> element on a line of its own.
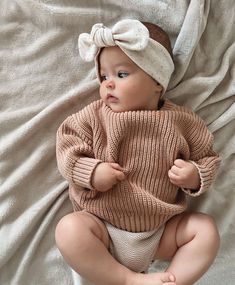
<point x="121" y="110"/>
<point x="117" y="108"/>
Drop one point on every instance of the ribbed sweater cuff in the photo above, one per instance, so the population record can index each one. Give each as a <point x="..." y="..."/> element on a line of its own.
<point x="83" y="171"/>
<point x="205" y="178"/>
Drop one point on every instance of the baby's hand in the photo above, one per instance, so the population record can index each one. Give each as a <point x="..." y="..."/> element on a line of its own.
<point x="106" y="175"/>
<point x="184" y="174"/>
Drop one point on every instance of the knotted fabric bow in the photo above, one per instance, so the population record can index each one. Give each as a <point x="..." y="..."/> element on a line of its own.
<point x="127" y="34"/>
<point x="132" y="37"/>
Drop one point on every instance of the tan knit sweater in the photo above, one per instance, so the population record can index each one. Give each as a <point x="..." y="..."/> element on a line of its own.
<point x="145" y="144"/>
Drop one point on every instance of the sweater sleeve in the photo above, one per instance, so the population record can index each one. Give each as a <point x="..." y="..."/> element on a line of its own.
<point x="202" y="155"/>
<point x="75" y="157"/>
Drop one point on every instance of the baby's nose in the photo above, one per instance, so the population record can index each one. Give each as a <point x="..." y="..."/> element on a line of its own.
<point x="110" y="83"/>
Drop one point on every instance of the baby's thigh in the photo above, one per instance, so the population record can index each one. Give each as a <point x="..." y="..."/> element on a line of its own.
<point x="168" y="245"/>
<point x="97" y="226"/>
<point x="182" y="229"/>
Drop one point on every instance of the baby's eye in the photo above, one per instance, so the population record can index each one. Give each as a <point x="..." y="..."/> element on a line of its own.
<point x="103" y="77"/>
<point x="122" y="74"/>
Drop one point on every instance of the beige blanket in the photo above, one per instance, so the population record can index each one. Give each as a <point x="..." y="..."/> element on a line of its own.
<point x="42" y="81"/>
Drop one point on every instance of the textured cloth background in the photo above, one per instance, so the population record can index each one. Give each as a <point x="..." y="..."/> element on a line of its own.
<point x="42" y="81"/>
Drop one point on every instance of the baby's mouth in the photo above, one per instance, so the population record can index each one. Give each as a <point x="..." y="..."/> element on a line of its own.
<point x="111" y="98"/>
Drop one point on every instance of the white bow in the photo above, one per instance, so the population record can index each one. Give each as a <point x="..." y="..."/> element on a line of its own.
<point x="127" y="34"/>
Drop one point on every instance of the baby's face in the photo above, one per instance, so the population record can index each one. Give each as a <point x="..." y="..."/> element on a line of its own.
<point x="125" y="86"/>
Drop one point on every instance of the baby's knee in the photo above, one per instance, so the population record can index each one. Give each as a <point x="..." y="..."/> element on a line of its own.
<point x="212" y="228"/>
<point x="207" y="229"/>
<point x="206" y="222"/>
<point x="68" y="228"/>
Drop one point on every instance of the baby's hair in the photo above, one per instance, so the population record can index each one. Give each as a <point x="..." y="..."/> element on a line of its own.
<point x="158" y="34"/>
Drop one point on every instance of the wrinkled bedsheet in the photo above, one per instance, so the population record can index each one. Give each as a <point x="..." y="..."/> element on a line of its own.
<point x="43" y="80"/>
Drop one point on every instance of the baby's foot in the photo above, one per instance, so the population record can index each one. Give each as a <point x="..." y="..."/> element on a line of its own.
<point x="164" y="278"/>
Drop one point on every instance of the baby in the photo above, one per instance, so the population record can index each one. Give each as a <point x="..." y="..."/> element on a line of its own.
<point x="130" y="159"/>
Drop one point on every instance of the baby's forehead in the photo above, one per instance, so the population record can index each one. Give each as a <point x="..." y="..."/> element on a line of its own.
<point x="117" y="65"/>
<point x="115" y="57"/>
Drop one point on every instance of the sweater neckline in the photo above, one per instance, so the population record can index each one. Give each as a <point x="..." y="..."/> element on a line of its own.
<point x="166" y="105"/>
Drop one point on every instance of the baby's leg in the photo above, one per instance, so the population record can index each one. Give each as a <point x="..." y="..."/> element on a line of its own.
<point x="83" y="241"/>
<point x="191" y="241"/>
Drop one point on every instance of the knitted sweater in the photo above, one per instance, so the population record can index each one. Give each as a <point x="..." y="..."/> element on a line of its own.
<point x="145" y="144"/>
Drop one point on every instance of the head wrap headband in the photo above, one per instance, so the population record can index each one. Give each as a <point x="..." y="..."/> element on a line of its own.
<point x="132" y="37"/>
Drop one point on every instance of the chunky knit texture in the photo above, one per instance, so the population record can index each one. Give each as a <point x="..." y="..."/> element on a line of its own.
<point x="145" y="144"/>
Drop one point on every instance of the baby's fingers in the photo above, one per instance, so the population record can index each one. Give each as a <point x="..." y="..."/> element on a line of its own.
<point x="174" y="178"/>
<point x="180" y="163"/>
<point x="120" y="176"/>
<point x="175" y="170"/>
<point x="116" y="166"/>
<point x="172" y="175"/>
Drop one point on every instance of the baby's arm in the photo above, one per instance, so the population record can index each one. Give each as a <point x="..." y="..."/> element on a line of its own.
<point x="106" y="175"/>
<point x="76" y="160"/>
<point x="197" y="172"/>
